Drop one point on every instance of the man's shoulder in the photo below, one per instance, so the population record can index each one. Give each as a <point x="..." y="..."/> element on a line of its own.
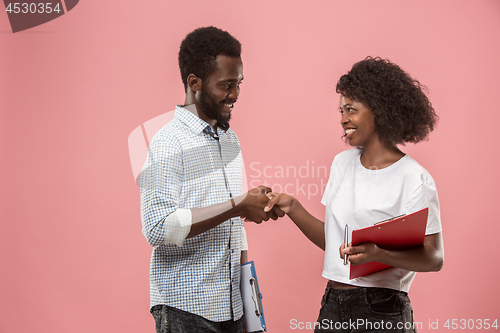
<point x="174" y="129"/>
<point x="174" y="126"/>
<point x="170" y="135"/>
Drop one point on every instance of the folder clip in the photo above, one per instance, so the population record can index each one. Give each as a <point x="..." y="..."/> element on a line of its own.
<point x="256" y="297"/>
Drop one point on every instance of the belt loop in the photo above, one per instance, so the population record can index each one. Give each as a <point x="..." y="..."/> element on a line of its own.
<point x="365" y="295"/>
<point x="329" y="290"/>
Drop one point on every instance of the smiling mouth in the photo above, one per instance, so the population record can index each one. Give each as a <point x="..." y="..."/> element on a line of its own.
<point x="349" y="131"/>
<point x="228" y="107"/>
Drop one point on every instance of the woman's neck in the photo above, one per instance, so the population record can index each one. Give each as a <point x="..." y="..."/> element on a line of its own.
<point x="380" y="155"/>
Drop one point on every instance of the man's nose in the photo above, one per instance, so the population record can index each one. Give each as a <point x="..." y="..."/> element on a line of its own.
<point x="234" y="93"/>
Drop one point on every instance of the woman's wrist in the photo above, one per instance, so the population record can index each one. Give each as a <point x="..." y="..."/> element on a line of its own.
<point x="294" y="207"/>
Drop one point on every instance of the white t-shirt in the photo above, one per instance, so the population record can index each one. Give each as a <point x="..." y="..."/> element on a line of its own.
<point x="360" y="197"/>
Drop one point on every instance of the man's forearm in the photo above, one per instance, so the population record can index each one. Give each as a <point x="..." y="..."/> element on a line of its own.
<point x="206" y="218"/>
<point x="244" y="257"/>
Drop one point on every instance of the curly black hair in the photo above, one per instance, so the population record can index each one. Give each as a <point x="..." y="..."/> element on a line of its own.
<point x="401" y="109"/>
<point x="200" y="48"/>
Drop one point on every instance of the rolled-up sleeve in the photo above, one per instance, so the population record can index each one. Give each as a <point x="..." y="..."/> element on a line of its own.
<point x="177" y="226"/>
<point x="161" y="185"/>
<point x="244" y="243"/>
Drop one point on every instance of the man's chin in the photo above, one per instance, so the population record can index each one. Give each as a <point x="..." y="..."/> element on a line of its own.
<point x="223" y="122"/>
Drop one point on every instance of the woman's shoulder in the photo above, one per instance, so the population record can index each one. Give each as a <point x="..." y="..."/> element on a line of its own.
<point x="347" y="155"/>
<point x="412" y="168"/>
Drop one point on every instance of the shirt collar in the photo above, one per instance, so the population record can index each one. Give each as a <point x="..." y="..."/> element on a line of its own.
<point x="189" y="116"/>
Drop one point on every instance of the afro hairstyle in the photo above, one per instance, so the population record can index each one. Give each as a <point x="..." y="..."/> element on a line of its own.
<point x="400" y="106"/>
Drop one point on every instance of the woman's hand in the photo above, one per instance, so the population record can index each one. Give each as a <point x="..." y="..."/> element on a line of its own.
<point x="282" y="200"/>
<point x="426" y="258"/>
<point x="360" y="254"/>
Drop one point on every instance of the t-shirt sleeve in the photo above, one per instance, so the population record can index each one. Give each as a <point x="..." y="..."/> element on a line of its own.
<point x="328" y="187"/>
<point x="425" y="195"/>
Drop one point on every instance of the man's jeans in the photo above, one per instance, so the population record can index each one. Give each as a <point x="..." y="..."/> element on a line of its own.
<point x="172" y="320"/>
<point x="365" y="310"/>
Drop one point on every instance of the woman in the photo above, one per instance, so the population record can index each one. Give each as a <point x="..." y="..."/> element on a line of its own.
<point x="381" y="107"/>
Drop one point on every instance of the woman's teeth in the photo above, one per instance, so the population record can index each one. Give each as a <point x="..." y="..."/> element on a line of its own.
<point x="349" y="131"/>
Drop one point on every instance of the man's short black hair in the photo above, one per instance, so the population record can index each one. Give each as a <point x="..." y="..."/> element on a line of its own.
<point x="200" y="49"/>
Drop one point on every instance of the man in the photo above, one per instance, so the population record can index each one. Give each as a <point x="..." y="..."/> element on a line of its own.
<point x="191" y="206"/>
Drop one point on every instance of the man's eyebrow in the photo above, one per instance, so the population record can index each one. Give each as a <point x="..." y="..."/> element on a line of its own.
<point x="233" y="80"/>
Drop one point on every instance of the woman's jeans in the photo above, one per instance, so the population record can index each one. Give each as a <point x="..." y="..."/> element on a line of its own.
<point x="365" y="310"/>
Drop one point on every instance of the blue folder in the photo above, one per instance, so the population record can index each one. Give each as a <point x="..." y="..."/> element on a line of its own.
<point x="253" y="312"/>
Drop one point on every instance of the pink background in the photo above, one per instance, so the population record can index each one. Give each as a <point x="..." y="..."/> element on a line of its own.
<point x="72" y="255"/>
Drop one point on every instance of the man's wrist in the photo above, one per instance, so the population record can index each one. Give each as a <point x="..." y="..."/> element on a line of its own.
<point x="238" y="204"/>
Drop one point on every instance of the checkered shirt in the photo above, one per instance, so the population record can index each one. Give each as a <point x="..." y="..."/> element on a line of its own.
<point x="185" y="170"/>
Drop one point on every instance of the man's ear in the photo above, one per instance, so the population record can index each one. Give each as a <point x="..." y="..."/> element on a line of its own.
<point x="194" y="82"/>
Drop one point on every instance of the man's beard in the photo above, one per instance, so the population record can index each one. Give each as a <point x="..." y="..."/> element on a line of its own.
<point x="213" y="110"/>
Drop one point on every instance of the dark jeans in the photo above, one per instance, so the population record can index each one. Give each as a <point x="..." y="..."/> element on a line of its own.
<point x="365" y="310"/>
<point x="172" y="320"/>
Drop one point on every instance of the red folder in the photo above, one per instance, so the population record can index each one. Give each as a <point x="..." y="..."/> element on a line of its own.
<point x="400" y="233"/>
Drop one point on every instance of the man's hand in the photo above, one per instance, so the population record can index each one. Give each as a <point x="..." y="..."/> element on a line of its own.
<point x="252" y="206"/>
